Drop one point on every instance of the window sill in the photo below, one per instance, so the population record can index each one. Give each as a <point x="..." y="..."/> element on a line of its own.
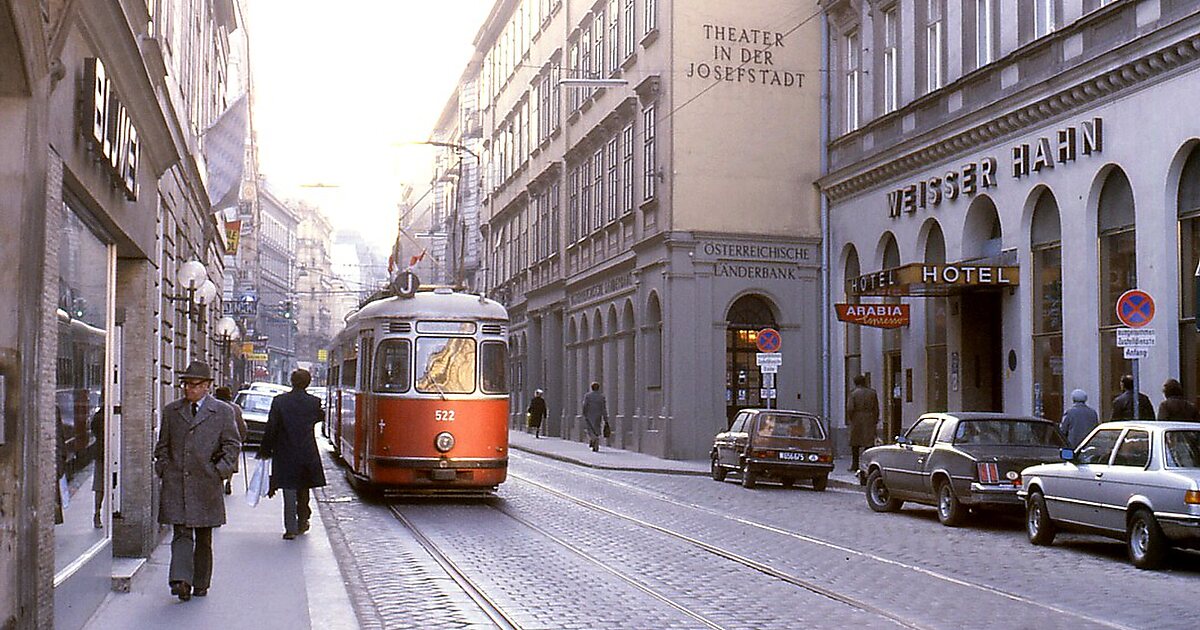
<point x="629" y="61"/>
<point x="649" y="37"/>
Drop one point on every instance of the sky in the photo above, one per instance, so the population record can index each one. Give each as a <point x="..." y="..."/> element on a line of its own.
<point x="342" y="87"/>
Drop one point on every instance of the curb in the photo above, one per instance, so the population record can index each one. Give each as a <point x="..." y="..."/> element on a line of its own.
<point x="835" y="483"/>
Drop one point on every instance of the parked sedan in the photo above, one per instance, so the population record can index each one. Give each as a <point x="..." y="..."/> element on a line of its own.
<point x="1133" y="481"/>
<point x="958" y="461"/>
<point x="255" y="404"/>
<point x="775" y="444"/>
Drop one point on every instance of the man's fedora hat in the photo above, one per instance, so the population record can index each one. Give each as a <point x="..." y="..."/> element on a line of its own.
<point x="196" y="371"/>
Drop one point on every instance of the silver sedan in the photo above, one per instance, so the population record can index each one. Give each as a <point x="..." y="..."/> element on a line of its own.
<point x="1133" y="481"/>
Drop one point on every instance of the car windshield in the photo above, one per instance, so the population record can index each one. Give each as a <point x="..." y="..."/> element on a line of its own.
<point x="1015" y="432"/>
<point x="789" y="426"/>
<point x="1183" y="449"/>
<point x="255" y="402"/>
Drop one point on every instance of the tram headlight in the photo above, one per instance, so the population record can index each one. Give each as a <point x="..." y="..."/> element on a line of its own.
<point x="444" y="441"/>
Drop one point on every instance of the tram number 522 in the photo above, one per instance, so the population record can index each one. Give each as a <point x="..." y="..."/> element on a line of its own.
<point x="443" y="415"/>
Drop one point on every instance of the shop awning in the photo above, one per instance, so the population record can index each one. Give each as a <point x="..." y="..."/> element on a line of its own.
<point x="922" y="280"/>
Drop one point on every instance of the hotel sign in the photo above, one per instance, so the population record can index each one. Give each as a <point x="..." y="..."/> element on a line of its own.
<point x="108" y="129"/>
<point x="1061" y="147"/>
<point x="874" y="315"/>
<point x="920" y="279"/>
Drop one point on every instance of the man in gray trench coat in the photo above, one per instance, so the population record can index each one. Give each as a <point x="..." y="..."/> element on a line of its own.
<point x="197" y="449"/>
<point x="595" y="414"/>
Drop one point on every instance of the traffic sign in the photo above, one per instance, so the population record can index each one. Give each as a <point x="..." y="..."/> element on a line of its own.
<point x="1135" y="308"/>
<point x="1136" y="353"/>
<point x="768" y="340"/>
<point x="768" y="379"/>
<point x="1136" y="338"/>
<point x="256" y="356"/>
<point x="766" y="394"/>
<point x="768" y="369"/>
<point x="769" y="359"/>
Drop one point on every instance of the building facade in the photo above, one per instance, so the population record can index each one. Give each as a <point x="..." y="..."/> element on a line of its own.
<point x="314" y="290"/>
<point x="992" y="168"/>
<point x="104" y="107"/>
<point x="457" y="183"/>
<point x="642" y="231"/>
<point x="274" y="272"/>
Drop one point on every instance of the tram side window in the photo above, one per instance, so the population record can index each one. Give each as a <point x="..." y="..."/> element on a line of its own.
<point x="445" y="365"/>
<point x="349" y="372"/>
<point x="492" y="358"/>
<point x="391" y="366"/>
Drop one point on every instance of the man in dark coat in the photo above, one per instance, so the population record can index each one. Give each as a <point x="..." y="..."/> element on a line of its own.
<point x="862" y="409"/>
<point x="537" y="413"/>
<point x="1123" y="404"/>
<point x="225" y="395"/>
<point x="1176" y="406"/>
<point x="595" y="413"/>
<point x="290" y="441"/>
<point x="197" y="450"/>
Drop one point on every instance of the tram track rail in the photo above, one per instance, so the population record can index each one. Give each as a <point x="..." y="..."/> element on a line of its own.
<point x="801" y="537"/>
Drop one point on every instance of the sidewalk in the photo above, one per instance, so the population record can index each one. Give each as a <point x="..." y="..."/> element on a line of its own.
<point x="616" y="459"/>
<point x="259" y="579"/>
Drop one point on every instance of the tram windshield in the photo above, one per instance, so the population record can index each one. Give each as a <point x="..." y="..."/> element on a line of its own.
<point x="445" y="365"/>
<point x="391" y="366"/>
<point x="492" y="359"/>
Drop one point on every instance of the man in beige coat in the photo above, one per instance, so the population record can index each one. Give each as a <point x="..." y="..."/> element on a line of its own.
<point x="197" y="449"/>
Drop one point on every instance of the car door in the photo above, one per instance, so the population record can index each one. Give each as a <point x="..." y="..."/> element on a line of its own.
<point x="1125" y="477"/>
<point x="1075" y="495"/>
<point x="727" y="448"/>
<point x="908" y="472"/>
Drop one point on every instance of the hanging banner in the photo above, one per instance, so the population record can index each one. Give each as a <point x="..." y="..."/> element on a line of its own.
<point x="233" y="236"/>
<point x="874" y="315"/>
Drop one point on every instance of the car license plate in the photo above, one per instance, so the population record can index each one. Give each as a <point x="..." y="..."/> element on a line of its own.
<point x="790" y="455"/>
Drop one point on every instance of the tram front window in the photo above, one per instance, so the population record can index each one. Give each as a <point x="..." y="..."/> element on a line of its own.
<point x="391" y="366"/>
<point x="493" y="356"/>
<point x="445" y="365"/>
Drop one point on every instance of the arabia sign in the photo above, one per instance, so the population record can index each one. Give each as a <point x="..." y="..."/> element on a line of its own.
<point x="874" y="315"/>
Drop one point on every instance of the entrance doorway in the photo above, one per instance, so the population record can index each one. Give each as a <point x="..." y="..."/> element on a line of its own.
<point x="748" y="315"/>
<point x="982" y="331"/>
<point x="893" y="396"/>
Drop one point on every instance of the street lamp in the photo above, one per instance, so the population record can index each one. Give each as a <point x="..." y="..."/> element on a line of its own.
<point x="226" y="331"/>
<point x="199" y="291"/>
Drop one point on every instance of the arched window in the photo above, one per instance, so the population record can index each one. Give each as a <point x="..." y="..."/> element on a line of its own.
<point x="935" y="328"/>
<point x="654" y="341"/>
<point x="743" y="380"/>
<point x="1118" y="274"/>
<point x="1045" y="236"/>
<point x="1189" y="263"/>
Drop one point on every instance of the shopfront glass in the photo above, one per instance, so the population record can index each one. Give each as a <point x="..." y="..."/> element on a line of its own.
<point x="1189" y="259"/>
<point x="936" y="390"/>
<point x="83" y="271"/>
<point x="1118" y="274"/>
<point x="1047" y="317"/>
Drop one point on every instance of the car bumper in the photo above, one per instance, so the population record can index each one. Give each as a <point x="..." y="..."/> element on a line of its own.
<point x="777" y="468"/>
<point x="254" y="432"/>
<point x="993" y="495"/>
<point x="1180" y="527"/>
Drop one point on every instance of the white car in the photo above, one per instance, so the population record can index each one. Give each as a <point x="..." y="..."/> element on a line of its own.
<point x="256" y="405"/>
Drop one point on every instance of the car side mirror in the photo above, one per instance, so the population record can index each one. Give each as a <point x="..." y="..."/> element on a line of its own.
<point x="903" y="441"/>
<point x="1068" y="455"/>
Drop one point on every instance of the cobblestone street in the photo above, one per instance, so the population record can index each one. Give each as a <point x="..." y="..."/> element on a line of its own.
<point x="563" y="546"/>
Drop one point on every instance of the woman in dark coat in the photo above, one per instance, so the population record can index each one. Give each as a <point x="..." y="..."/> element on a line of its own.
<point x="537" y="413"/>
<point x="862" y="409"/>
<point x="291" y="443"/>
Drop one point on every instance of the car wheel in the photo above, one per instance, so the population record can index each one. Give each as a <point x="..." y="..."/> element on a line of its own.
<point x="749" y="477"/>
<point x="718" y="471"/>
<point x="879" y="498"/>
<point x="950" y="511"/>
<point x="820" y="483"/>
<point x="1038" y="525"/>
<point x="1147" y="544"/>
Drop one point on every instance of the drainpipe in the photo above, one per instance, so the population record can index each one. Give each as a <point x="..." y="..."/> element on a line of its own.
<point x="826" y="358"/>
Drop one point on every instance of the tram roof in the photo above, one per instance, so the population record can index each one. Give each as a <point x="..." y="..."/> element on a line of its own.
<point x="439" y="303"/>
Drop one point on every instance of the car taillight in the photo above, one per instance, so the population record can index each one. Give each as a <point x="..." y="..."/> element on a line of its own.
<point x="761" y="454"/>
<point x="988" y="473"/>
<point x="824" y="458"/>
<point x="1192" y="497"/>
<point x="1017" y="481"/>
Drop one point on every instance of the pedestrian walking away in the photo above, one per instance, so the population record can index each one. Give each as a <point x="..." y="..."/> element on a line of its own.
<point x="225" y="395"/>
<point x="291" y="443"/>
<point x="862" y="409"/>
<point x="197" y="450"/>
<point x="1079" y="420"/>
<point x="536" y="413"/>
<point x="595" y="415"/>
<point x="1123" y="404"/>
<point x="1176" y="406"/>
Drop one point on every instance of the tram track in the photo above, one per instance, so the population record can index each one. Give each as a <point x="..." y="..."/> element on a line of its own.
<point x="796" y="536"/>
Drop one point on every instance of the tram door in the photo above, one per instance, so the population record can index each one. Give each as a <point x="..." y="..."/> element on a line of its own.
<point x="743" y="381"/>
<point x="367" y="413"/>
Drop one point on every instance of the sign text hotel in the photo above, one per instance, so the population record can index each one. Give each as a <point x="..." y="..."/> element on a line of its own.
<point x="1064" y="146"/>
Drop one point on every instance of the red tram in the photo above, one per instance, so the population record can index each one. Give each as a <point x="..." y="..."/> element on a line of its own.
<point x="418" y="399"/>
